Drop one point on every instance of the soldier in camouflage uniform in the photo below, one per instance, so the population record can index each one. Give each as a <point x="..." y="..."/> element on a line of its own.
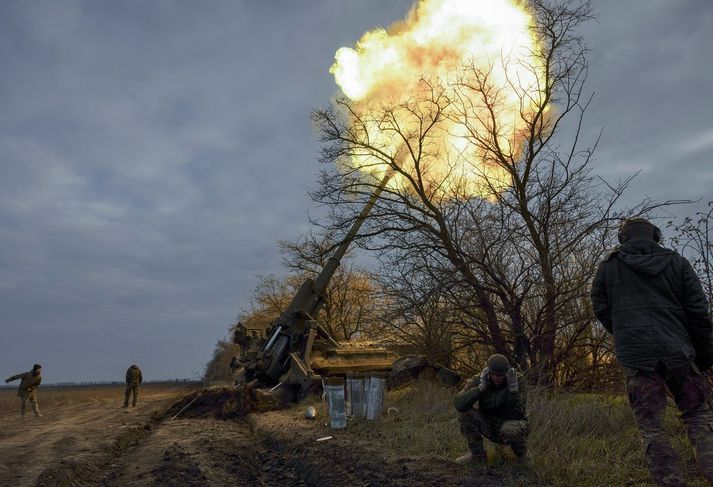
<point x="500" y="393"/>
<point x="133" y="379"/>
<point x="651" y="300"/>
<point x="29" y="382"/>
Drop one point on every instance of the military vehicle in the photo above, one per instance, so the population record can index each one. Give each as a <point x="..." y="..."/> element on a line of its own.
<point x="297" y="350"/>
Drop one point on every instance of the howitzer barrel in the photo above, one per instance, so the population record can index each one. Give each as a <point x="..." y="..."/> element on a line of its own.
<point x="330" y="268"/>
<point x="290" y="331"/>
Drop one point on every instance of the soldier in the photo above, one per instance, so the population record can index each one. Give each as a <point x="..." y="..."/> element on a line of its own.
<point x="651" y="300"/>
<point x="29" y="382"/>
<point x="501" y="416"/>
<point x="133" y="379"/>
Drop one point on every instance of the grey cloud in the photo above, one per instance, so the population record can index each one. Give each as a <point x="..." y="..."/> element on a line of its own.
<point x="651" y="81"/>
<point x="152" y="153"/>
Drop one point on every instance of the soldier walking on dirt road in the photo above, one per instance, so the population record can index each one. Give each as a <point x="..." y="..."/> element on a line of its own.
<point x="501" y="416"/>
<point x="651" y="300"/>
<point x="29" y="382"/>
<point x="133" y="379"/>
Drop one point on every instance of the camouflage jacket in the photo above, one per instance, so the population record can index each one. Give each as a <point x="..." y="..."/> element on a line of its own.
<point x="495" y="403"/>
<point x="28" y="384"/>
<point x="651" y="300"/>
<point x="133" y="376"/>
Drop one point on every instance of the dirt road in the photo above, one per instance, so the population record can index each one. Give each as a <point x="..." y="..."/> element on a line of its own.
<point x="95" y="442"/>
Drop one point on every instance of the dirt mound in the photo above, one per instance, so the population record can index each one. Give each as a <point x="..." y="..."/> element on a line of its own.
<point x="222" y="403"/>
<point x="69" y="473"/>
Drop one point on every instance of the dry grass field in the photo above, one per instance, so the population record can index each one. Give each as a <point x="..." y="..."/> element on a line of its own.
<point x="84" y="428"/>
<point x="53" y="398"/>
<point x="587" y="440"/>
<point x="86" y="438"/>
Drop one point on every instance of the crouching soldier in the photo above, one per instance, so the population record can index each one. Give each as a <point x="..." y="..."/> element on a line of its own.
<point x="500" y="392"/>
<point x="29" y="382"/>
<point x="133" y="379"/>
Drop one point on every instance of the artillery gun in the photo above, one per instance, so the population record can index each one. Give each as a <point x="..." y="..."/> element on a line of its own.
<point x="298" y="350"/>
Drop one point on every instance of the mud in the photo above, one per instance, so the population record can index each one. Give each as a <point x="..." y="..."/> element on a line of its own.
<point x="223" y="403"/>
<point x="219" y="443"/>
<point x="177" y="468"/>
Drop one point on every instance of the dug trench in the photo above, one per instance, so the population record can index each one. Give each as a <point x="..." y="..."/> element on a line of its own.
<point x="216" y="438"/>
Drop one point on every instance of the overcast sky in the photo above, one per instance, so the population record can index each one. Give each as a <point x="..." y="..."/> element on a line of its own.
<point x="151" y="154"/>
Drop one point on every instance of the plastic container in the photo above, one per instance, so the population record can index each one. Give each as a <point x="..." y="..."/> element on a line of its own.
<point x="375" y="397"/>
<point x="334" y="387"/>
<point x="356" y="396"/>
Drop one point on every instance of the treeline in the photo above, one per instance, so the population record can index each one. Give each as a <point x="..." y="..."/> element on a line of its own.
<point x="405" y="303"/>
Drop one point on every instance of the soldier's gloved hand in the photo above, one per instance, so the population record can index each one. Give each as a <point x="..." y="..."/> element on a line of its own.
<point x="511" y="377"/>
<point x="7" y="381"/>
<point x="484" y="379"/>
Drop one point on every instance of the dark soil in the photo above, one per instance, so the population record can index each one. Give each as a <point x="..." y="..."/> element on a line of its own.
<point x="215" y="442"/>
<point x="178" y="468"/>
<point x="224" y="403"/>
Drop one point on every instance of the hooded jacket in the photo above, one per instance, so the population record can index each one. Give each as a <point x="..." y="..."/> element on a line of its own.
<point x="651" y="300"/>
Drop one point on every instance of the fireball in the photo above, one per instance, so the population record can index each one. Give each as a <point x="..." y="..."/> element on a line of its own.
<point x="456" y="79"/>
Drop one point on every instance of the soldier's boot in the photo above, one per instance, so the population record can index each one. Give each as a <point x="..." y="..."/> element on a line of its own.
<point x="470" y="426"/>
<point x="471" y="458"/>
<point x="476" y="455"/>
<point x="520" y="451"/>
<point x="36" y="408"/>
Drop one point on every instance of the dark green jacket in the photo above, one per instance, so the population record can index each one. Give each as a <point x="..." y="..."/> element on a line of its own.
<point x="29" y="382"/>
<point x="651" y="300"/>
<point x="133" y="376"/>
<point x="497" y="404"/>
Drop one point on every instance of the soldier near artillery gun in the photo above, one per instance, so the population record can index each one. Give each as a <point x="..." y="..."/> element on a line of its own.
<point x="501" y="395"/>
<point x="133" y="379"/>
<point x="29" y="382"/>
<point x="651" y="300"/>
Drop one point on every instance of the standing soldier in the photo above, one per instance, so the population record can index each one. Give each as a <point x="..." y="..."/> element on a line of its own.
<point x="501" y="416"/>
<point x="651" y="300"/>
<point x="29" y="382"/>
<point x="133" y="379"/>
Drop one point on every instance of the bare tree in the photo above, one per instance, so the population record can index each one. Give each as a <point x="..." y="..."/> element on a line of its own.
<point x="693" y="238"/>
<point x="516" y="261"/>
<point x="218" y="369"/>
<point x="348" y="311"/>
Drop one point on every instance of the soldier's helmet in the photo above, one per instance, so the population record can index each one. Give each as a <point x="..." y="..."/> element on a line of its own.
<point x="638" y="229"/>
<point x="36" y="367"/>
<point x="498" y="364"/>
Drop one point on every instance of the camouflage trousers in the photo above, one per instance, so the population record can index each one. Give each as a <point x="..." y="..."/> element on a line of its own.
<point x="132" y="390"/>
<point x="32" y="399"/>
<point x="475" y="425"/>
<point x="647" y="397"/>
